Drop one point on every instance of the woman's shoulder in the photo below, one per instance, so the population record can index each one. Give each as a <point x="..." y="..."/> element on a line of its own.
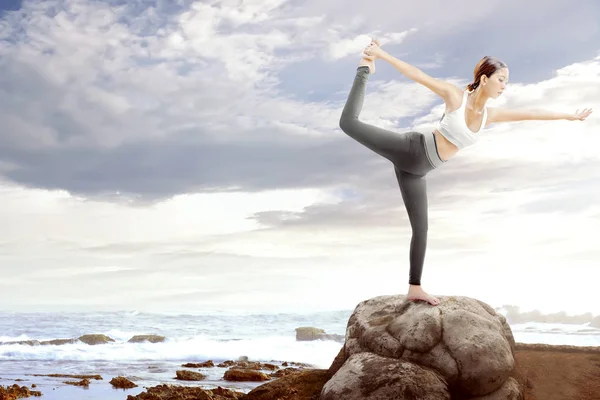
<point x="455" y="99"/>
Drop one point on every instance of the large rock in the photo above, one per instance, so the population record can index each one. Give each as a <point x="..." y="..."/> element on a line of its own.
<point x="369" y="376"/>
<point x="462" y="340"/>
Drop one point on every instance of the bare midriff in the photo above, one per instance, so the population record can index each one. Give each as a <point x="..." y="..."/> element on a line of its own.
<point x="444" y="147"/>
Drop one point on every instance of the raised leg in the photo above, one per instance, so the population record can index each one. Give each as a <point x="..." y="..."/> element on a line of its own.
<point x="389" y="144"/>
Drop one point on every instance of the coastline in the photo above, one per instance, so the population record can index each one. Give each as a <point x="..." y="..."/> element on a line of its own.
<point x="543" y="371"/>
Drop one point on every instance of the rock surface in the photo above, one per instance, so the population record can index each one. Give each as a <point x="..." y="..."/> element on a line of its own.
<point x="120" y="382"/>
<point x="301" y="385"/>
<point x="370" y="376"/>
<point x="95" y="339"/>
<point x="171" y="392"/>
<point x="17" y="392"/>
<point x="463" y="340"/>
<point x="185" y="375"/>
<point x="146" y="338"/>
<point x="248" y="375"/>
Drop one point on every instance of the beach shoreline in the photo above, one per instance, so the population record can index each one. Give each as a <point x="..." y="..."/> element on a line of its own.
<point x="544" y="372"/>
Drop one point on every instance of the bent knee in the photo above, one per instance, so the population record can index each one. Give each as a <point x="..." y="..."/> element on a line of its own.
<point x="348" y="123"/>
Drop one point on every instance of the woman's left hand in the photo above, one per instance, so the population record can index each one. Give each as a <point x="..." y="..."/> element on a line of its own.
<point x="373" y="49"/>
<point x="581" y="115"/>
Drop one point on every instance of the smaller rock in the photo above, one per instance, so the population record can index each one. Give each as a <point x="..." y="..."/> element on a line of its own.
<point x="238" y="375"/>
<point x="185" y="375"/>
<point x="58" y="342"/>
<point x="284" y="372"/>
<point x="181" y="392"/>
<point x="146" y="338"/>
<point x="120" y="382"/>
<point x="226" y="364"/>
<point x="17" y="392"/>
<point x="96" y="377"/>
<point x="206" y="364"/>
<point x="83" y="383"/>
<point x="95" y="339"/>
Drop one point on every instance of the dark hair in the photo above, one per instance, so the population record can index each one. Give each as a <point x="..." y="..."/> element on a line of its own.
<point x="486" y="66"/>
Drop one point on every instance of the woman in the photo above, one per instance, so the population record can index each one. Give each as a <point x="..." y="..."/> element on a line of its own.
<point x="415" y="154"/>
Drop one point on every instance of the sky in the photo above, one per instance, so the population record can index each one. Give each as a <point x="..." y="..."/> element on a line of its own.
<point x="186" y="156"/>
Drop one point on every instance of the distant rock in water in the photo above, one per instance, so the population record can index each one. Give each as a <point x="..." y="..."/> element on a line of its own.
<point x="95" y="339"/>
<point x="461" y="348"/>
<point x="307" y="333"/>
<point x="146" y="338"/>
<point x="120" y="382"/>
<point x="58" y="342"/>
<point x="54" y="342"/>
<point x="84" y="383"/>
<point x="185" y="375"/>
<point x="205" y="364"/>
<point x="248" y="375"/>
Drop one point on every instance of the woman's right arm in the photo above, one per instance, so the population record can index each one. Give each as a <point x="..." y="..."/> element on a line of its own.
<point x="444" y="89"/>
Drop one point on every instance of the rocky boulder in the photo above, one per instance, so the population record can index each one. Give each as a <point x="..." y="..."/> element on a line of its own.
<point x="399" y="349"/>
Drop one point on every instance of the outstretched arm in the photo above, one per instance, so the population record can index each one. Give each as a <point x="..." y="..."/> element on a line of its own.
<point x="442" y="88"/>
<point x="507" y="115"/>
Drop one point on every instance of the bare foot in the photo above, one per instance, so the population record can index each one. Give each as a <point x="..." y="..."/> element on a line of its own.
<point x="415" y="292"/>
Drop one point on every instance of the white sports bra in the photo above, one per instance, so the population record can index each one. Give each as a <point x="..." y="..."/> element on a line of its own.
<point x="453" y="126"/>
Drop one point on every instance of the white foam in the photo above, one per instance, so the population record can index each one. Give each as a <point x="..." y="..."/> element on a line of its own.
<point x="279" y="348"/>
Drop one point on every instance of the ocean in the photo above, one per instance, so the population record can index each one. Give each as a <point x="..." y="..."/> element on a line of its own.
<point x="189" y="338"/>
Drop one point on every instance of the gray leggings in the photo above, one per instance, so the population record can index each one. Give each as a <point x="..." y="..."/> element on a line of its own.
<point x="413" y="155"/>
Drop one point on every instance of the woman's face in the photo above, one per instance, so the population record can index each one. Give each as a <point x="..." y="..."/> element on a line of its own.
<point x="496" y="84"/>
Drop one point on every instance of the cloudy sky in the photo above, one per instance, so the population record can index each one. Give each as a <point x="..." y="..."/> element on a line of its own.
<point x="186" y="155"/>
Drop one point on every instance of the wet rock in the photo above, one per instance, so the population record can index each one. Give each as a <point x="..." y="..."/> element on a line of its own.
<point x="17" y="392"/>
<point x="58" y="342"/>
<point x="238" y="375"/>
<point x="226" y="364"/>
<point x="297" y="364"/>
<point x="301" y="385"/>
<point x="185" y="375"/>
<point x="284" y="372"/>
<point x="120" y="382"/>
<point x="83" y="382"/>
<point x="96" y="377"/>
<point x="146" y="338"/>
<point x="95" y="339"/>
<point x="172" y="392"/>
<point x="206" y="364"/>
<point x="23" y="342"/>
